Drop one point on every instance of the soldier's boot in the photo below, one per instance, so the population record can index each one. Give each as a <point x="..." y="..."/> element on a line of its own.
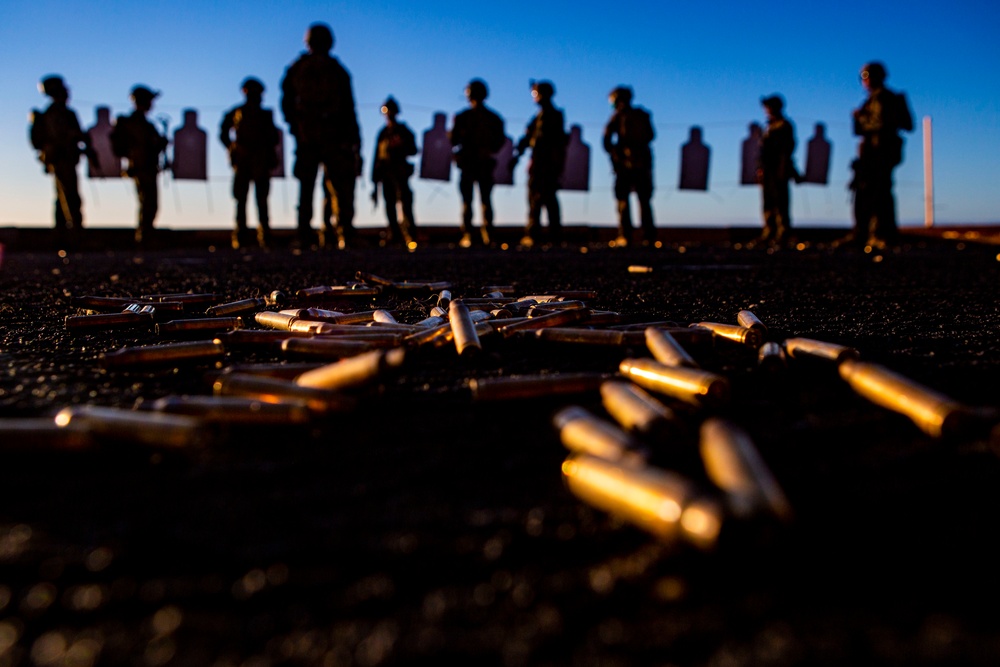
<point x="624" y="224"/>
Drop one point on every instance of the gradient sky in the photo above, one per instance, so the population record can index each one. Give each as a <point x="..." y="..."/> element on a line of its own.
<point x="705" y="64"/>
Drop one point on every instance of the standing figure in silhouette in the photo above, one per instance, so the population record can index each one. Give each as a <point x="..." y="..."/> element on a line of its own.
<point x="750" y="156"/>
<point x="250" y="136"/>
<point x="106" y="164"/>
<point x="878" y="121"/>
<point x="627" y="138"/>
<point x="317" y="101"/>
<point x="777" y="168"/>
<point x="546" y="137"/>
<point x="392" y="169"/>
<point x="817" y="157"/>
<point x="695" y="156"/>
<point x="138" y="141"/>
<point x="477" y="134"/>
<point x="57" y="136"/>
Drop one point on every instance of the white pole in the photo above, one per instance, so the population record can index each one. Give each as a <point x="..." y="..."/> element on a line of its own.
<point x="928" y="175"/>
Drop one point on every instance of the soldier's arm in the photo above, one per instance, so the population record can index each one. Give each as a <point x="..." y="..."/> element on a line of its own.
<point x="225" y="129"/>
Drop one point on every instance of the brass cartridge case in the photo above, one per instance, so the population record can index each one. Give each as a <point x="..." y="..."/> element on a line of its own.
<point x="137" y="427"/>
<point x="237" y="410"/>
<point x="430" y="322"/>
<point x="463" y="329"/>
<point x="259" y="338"/>
<point x="139" y="309"/>
<point x="603" y="318"/>
<point x="117" y="303"/>
<point x="734" y="332"/>
<point x="309" y="326"/>
<point x="637" y="410"/>
<point x="319" y="314"/>
<point x="362" y="316"/>
<point x="161" y="355"/>
<point x="29" y="435"/>
<point x="771" y="357"/>
<point x="199" y="325"/>
<point x="520" y="307"/>
<point x="550" y="320"/>
<point x="586" y="336"/>
<point x="286" y="370"/>
<point x="480" y="315"/>
<point x="665" y="348"/>
<point x="661" y="502"/>
<point x="747" y="318"/>
<point x="338" y="291"/>
<point x="269" y="318"/>
<point x="442" y="331"/>
<point x="380" y="315"/>
<point x="563" y="295"/>
<point x="734" y="465"/>
<point x="691" y="385"/>
<point x="124" y="320"/>
<point x="353" y="371"/>
<point x="934" y="413"/>
<point x="185" y="298"/>
<point x="278" y="390"/>
<point x="540" y="309"/>
<point x="535" y="386"/>
<point x="330" y="348"/>
<point x="583" y="433"/>
<point x="276" y="298"/>
<point x="444" y="298"/>
<point x="502" y="289"/>
<point x="807" y="348"/>
<point x="373" y="279"/>
<point x="234" y="307"/>
<point x="438" y="311"/>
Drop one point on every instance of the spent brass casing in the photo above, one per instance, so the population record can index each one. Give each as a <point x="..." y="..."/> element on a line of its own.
<point x="237" y="410"/>
<point x="170" y="353"/>
<point x="734" y="465"/>
<point x="137" y="427"/>
<point x="234" y="307"/>
<point x="427" y="336"/>
<point x="259" y="338"/>
<point x="637" y="410"/>
<point x="807" y="348"/>
<point x="562" y="295"/>
<point x="502" y="289"/>
<point x="269" y="318"/>
<point x="384" y="316"/>
<point x="331" y="348"/>
<point x="116" y="303"/>
<point x="443" y="298"/>
<point x="500" y="314"/>
<point x="586" y="336"/>
<point x="660" y="502"/>
<point x="373" y="279"/>
<point x="691" y="385"/>
<point x="934" y="413"/>
<point x="29" y="435"/>
<point x="317" y="314"/>
<point x="463" y="329"/>
<point x="771" y="357"/>
<point x="604" y="317"/>
<point x="276" y="298"/>
<point x="359" y="317"/>
<point x="353" y="371"/>
<point x="519" y="307"/>
<point x="430" y="322"/>
<point x="277" y="390"/>
<point x="285" y="369"/>
<point x="124" y="320"/>
<point x="584" y="433"/>
<point x="747" y="318"/>
<point x="534" y="386"/>
<point x="438" y="311"/>
<point x="550" y="320"/>
<point x="734" y="332"/>
<point x="665" y="348"/>
<point x="540" y="309"/>
<point x="338" y="291"/>
<point x="185" y="298"/>
<point x="199" y="325"/>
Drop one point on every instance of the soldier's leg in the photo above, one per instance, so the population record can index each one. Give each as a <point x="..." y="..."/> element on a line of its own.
<point x="644" y="192"/>
<point x="262" y="190"/>
<point x="407" y="223"/>
<point x="534" y="210"/>
<point x="60" y="209"/>
<point x="305" y="170"/>
<point x="466" y="186"/>
<point x="486" y="197"/>
<point x="554" y="213"/>
<point x="149" y="204"/>
<point x="340" y="187"/>
<point x="783" y="208"/>
<point x="623" y="190"/>
<point x="68" y="196"/>
<point x="241" y="188"/>
<point x="390" y="196"/>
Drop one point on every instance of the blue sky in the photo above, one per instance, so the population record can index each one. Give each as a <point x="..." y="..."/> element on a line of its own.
<point x="704" y="64"/>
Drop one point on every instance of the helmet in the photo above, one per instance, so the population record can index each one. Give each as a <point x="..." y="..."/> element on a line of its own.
<point x="476" y="90"/>
<point x="252" y="85"/>
<point x="874" y="72"/>
<point x="319" y="38"/>
<point x="141" y="94"/>
<point x="390" y="105"/>
<point x="545" y="89"/>
<point x="773" y="102"/>
<point x="621" y="94"/>
<point x="52" y="85"/>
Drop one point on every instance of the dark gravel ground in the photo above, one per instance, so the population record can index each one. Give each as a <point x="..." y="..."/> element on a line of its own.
<point x="426" y="528"/>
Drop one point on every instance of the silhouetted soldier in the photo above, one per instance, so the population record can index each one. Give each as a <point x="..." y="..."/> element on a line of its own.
<point x="546" y="136"/>
<point x="878" y="121"/>
<point x="777" y="145"/>
<point x="250" y="136"/>
<point x="140" y="143"/>
<point x="56" y="134"/>
<point x="476" y="135"/>
<point x="318" y="104"/>
<point x="392" y="169"/>
<point x="627" y="138"/>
